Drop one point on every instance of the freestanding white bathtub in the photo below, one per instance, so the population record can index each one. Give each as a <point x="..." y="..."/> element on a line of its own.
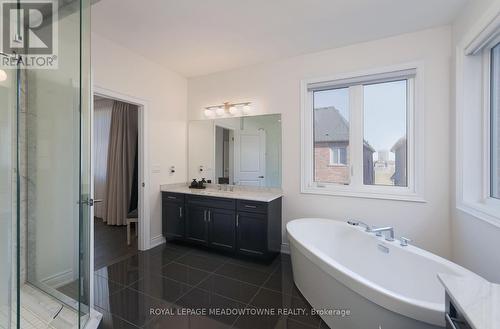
<point x="337" y="266"/>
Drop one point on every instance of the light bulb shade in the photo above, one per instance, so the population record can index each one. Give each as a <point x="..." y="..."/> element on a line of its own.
<point x="3" y="75"/>
<point x="220" y="111"/>
<point x="209" y="113"/>
<point x="234" y="110"/>
<point x="247" y="109"/>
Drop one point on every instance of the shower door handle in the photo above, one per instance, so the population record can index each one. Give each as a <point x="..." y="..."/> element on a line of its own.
<point x="91" y="202"/>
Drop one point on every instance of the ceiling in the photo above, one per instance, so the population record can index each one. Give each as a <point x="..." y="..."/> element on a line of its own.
<point x="198" y="37"/>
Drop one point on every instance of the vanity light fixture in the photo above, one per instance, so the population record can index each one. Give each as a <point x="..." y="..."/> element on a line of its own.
<point x="228" y="109"/>
<point x="234" y="110"/>
<point x="209" y="113"/>
<point x="220" y="111"/>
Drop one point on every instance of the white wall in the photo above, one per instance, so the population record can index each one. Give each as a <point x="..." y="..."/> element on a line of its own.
<point x="475" y="243"/>
<point x="120" y="70"/>
<point x="275" y="88"/>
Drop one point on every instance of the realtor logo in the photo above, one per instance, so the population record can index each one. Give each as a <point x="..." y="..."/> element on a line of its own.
<point x="29" y="33"/>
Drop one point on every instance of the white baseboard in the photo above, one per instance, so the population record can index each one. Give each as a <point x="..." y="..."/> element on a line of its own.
<point x="156" y="241"/>
<point x="59" y="279"/>
<point x="285" y="248"/>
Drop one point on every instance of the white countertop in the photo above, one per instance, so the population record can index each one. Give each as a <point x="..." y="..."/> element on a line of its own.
<point x="475" y="298"/>
<point x="239" y="192"/>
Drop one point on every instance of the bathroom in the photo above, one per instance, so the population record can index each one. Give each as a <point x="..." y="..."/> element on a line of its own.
<point x="276" y="107"/>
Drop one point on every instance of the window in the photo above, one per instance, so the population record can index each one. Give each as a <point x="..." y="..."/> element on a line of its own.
<point x="358" y="136"/>
<point x="338" y="156"/>
<point x="384" y="146"/>
<point x="331" y="136"/>
<point x="495" y="123"/>
<point x="477" y="101"/>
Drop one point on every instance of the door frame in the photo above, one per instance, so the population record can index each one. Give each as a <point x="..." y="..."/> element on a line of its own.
<point x="144" y="210"/>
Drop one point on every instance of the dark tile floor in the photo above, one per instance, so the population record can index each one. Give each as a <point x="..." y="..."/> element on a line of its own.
<point x="110" y="246"/>
<point x="110" y="243"/>
<point x="179" y="281"/>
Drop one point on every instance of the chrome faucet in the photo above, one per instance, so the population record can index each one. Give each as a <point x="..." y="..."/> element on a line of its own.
<point x="404" y="241"/>
<point x="379" y="231"/>
<point x="359" y="223"/>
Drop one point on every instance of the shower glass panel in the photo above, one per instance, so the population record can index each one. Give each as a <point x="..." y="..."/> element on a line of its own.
<point x="86" y="191"/>
<point x="8" y="290"/>
<point x="57" y="151"/>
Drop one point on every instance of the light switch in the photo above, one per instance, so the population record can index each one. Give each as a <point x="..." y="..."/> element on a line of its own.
<point x="155" y="169"/>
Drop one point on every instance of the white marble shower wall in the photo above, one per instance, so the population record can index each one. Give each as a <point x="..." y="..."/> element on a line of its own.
<point x="7" y="112"/>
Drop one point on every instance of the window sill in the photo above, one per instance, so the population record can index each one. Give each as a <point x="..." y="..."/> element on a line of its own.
<point x="365" y="194"/>
<point x="480" y="211"/>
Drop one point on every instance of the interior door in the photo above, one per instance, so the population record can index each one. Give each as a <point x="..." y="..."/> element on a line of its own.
<point x="250" y="157"/>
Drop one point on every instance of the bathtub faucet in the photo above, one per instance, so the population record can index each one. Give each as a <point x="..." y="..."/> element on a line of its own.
<point x="359" y="223"/>
<point x="379" y="231"/>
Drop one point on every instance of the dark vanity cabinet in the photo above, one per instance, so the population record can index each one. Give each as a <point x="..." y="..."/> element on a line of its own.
<point x="174" y="209"/>
<point x="222" y="229"/>
<point x="196" y="224"/>
<point x="251" y="241"/>
<point x="250" y="228"/>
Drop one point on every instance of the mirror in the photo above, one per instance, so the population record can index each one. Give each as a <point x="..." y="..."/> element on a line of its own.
<point x="240" y="151"/>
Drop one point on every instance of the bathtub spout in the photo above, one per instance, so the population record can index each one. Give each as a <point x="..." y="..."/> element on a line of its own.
<point x="359" y="223"/>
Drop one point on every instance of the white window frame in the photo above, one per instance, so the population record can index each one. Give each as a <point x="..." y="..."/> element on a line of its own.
<point x="492" y="135"/>
<point x="488" y="200"/>
<point x="337" y="149"/>
<point x="473" y="129"/>
<point x="415" y="137"/>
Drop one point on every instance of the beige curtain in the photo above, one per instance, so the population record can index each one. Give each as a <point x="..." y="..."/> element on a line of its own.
<point x="121" y="154"/>
<point x="102" y="124"/>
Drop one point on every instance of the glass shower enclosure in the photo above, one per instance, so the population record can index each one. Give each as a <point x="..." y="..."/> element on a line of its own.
<point x="45" y="185"/>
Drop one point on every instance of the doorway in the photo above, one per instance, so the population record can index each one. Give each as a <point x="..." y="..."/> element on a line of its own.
<point x="121" y="224"/>
<point x="224" y="157"/>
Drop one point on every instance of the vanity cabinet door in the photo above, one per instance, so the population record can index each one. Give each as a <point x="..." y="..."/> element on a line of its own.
<point x="222" y="227"/>
<point x="196" y="224"/>
<point x="173" y="220"/>
<point x="251" y="233"/>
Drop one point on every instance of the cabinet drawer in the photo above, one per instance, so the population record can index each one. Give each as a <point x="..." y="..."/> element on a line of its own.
<point x="172" y="197"/>
<point x="252" y="206"/>
<point x="211" y="202"/>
